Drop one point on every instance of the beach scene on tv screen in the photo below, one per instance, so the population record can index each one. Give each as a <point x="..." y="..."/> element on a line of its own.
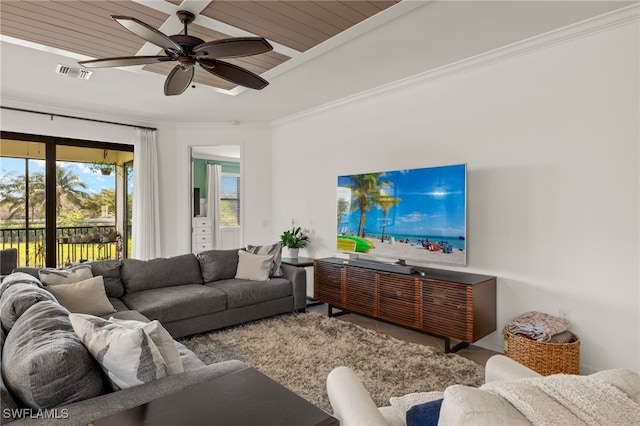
<point x="414" y="214"/>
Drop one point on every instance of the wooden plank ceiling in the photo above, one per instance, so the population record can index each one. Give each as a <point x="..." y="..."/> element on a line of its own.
<point x="85" y="26"/>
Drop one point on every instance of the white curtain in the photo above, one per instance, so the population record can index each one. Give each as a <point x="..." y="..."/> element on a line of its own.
<point x="213" y="202"/>
<point x="146" y="205"/>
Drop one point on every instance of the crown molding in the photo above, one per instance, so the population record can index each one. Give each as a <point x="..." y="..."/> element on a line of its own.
<point x="605" y="22"/>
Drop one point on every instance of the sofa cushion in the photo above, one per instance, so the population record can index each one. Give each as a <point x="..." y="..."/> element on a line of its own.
<point x="49" y="364"/>
<point x="7" y="402"/>
<point x="176" y="303"/>
<point x="245" y="292"/>
<point x="17" y="298"/>
<point x="274" y="250"/>
<point x="84" y="297"/>
<point x="218" y="264"/>
<point x="110" y="271"/>
<point x="118" y="304"/>
<point x="34" y="272"/>
<point x="51" y="276"/>
<point x="463" y="405"/>
<point x="189" y="360"/>
<point x="626" y="380"/>
<point x="129" y="315"/>
<point x="129" y="357"/>
<point x="254" y="267"/>
<point x="140" y="275"/>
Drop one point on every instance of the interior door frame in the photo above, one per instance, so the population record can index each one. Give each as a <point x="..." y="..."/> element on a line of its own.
<point x="198" y="151"/>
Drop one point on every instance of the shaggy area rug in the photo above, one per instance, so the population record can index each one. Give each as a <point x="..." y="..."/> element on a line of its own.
<point x="299" y="350"/>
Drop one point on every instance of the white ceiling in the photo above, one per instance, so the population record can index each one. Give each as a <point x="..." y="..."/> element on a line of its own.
<point x="407" y="39"/>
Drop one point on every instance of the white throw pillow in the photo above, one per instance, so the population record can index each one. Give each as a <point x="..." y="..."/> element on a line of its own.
<point x="84" y="297"/>
<point x="161" y="337"/>
<point x="253" y="267"/>
<point x="51" y="276"/>
<point x="128" y="357"/>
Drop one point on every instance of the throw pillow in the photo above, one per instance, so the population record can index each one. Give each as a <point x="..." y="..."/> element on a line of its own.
<point x="50" y="276"/>
<point x="110" y="271"/>
<point x="426" y="414"/>
<point x="402" y="404"/>
<point x="161" y="337"/>
<point x="84" y="297"/>
<point x="274" y="250"/>
<point x="218" y="264"/>
<point x="17" y="299"/>
<point x="254" y="267"/>
<point x="128" y="357"/>
<point x="49" y="364"/>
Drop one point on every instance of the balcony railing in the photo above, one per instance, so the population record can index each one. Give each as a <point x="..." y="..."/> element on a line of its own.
<point x="75" y="244"/>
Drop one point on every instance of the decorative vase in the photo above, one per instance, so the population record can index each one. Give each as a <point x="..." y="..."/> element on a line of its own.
<point x="293" y="253"/>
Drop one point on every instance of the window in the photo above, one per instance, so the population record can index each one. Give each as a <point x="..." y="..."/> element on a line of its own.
<point x="230" y="199"/>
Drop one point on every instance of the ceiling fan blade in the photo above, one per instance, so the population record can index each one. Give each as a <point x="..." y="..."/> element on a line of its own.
<point x="178" y="80"/>
<point x="233" y="73"/>
<point x="233" y="47"/>
<point x="124" y="61"/>
<point x="148" y="33"/>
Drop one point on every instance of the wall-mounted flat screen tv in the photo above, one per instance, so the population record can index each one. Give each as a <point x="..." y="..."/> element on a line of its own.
<point x="414" y="215"/>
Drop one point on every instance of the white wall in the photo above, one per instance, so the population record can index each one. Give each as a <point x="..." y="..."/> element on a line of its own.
<point x="551" y="141"/>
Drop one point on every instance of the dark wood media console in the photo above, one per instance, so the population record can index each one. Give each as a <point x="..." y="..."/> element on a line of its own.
<point x="447" y="304"/>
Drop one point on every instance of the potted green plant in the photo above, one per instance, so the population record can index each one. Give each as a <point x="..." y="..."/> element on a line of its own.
<point x="294" y="240"/>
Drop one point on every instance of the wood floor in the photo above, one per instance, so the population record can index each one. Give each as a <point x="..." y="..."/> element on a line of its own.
<point x="474" y="353"/>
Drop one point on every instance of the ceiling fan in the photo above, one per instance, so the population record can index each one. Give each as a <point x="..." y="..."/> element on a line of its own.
<point x="187" y="51"/>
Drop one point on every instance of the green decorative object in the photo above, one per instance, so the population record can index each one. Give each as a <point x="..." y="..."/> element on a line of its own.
<point x="294" y="238"/>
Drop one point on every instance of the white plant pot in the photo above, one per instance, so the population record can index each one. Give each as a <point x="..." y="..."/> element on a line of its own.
<point x="293" y="253"/>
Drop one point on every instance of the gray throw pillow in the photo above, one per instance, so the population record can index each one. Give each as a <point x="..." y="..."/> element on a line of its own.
<point x="140" y="275"/>
<point x="34" y="272"/>
<point x="52" y="276"/>
<point x="49" y="364"/>
<point x="274" y="250"/>
<point x="110" y="271"/>
<point x="218" y="264"/>
<point x="17" y="299"/>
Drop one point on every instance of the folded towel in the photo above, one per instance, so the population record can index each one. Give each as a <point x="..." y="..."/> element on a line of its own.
<point x="538" y="326"/>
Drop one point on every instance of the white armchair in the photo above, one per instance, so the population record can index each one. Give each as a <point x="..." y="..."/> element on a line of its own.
<point x="353" y="406"/>
<point x="606" y="397"/>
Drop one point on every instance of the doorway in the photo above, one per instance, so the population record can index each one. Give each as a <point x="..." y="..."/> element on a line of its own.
<point x="216" y="207"/>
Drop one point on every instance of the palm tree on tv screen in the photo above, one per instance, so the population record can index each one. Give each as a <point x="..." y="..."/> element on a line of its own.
<point x="365" y="189"/>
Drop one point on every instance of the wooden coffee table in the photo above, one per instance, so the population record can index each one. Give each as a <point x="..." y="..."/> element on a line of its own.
<point x="246" y="397"/>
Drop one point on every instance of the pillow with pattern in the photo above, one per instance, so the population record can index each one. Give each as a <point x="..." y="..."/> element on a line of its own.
<point x="51" y="276"/>
<point x="127" y="356"/>
<point x="274" y="250"/>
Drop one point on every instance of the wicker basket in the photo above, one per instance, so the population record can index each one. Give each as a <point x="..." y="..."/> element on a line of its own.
<point x="542" y="357"/>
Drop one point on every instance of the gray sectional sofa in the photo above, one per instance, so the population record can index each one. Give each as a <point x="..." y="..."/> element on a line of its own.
<point x="191" y="294"/>
<point x="187" y="294"/>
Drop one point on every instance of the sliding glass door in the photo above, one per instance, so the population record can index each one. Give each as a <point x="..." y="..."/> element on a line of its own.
<point x="64" y="201"/>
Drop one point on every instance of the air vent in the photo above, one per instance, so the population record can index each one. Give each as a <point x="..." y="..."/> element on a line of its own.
<point x="73" y="72"/>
